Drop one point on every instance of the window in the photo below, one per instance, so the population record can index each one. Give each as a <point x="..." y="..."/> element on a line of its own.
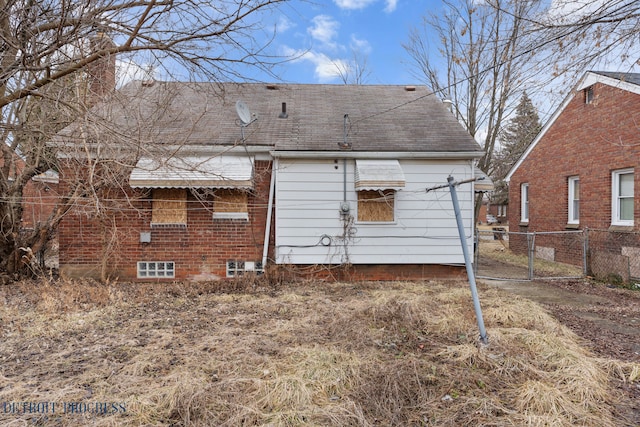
<point x="156" y="269"/>
<point x="588" y="95"/>
<point x="239" y="268"/>
<point x="524" y="202"/>
<point x="235" y="268"/>
<point x="376" y="205"/>
<point x="622" y="197"/>
<point x="169" y="206"/>
<point x="231" y="204"/>
<point x="574" y="200"/>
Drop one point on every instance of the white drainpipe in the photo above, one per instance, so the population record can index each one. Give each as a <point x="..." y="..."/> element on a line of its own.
<point x="267" y="232"/>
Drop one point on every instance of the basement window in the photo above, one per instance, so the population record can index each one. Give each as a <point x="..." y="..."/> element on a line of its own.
<point x="376" y="205"/>
<point x="169" y="207"/>
<point x="239" y="268"/>
<point x="156" y="269"/>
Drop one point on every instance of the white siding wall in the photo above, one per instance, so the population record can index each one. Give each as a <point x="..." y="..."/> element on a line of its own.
<point x="308" y="198"/>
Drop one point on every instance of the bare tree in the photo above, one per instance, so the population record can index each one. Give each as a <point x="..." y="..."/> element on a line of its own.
<point x="52" y="70"/>
<point x="478" y="62"/>
<point x="577" y="35"/>
<point x="356" y="71"/>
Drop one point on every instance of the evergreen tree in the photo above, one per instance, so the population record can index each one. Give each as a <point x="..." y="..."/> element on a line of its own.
<point x="515" y="138"/>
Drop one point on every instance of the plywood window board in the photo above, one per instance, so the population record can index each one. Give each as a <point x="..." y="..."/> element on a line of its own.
<point x="376" y="205"/>
<point x="169" y="206"/>
<point x="230" y="200"/>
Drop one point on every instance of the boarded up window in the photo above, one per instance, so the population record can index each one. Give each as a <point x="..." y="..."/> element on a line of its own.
<point x="376" y="205"/>
<point x="229" y="200"/>
<point x="169" y="206"/>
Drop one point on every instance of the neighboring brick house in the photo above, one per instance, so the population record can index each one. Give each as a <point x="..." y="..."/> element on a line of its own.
<point x="39" y="195"/>
<point x="580" y="173"/>
<point x="305" y="177"/>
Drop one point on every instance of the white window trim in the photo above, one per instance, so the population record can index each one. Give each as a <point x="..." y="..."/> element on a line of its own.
<point x="571" y="198"/>
<point x="524" y="202"/>
<point x="231" y="215"/>
<point x="615" y="197"/>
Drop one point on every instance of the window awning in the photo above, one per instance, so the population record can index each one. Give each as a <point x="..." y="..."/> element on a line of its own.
<point x="484" y="183"/>
<point x="378" y="174"/>
<point x="193" y="172"/>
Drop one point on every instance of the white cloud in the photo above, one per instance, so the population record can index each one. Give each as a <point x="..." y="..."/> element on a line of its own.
<point x="284" y="24"/>
<point x="354" y="4"/>
<point x="361" y="4"/>
<point x="127" y="71"/>
<point x="326" y="69"/>
<point x="572" y="10"/>
<point x="324" y="29"/>
<point x="391" y="6"/>
<point x="361" y="46"/>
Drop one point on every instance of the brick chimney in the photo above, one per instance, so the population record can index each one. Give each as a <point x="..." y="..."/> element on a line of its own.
<point x="101" y="73"/>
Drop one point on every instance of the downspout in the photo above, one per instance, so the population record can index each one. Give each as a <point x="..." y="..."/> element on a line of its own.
<point x="267" y="231"/>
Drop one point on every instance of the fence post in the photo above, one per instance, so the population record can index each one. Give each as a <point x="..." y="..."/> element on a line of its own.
<point x="531" y="242"/>
<point x="585" y="252"/>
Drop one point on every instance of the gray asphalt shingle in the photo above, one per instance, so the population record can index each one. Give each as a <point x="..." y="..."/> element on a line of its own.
<point x="379" y="117"/>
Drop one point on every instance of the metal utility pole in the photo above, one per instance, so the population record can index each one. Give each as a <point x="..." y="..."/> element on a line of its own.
<point x="465" y="251"/>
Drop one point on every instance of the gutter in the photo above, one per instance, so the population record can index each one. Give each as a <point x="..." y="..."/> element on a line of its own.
<point x="377" y="154"/>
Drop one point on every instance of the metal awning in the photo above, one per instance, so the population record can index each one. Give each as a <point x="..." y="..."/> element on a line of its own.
<point x="222" y="171"/>
<point x="378" y="174"/>
<point x="484" y="183"/>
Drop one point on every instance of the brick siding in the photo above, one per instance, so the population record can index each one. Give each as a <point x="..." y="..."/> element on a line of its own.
<point x="586" y="140"/>
<point x="90" y="246"/>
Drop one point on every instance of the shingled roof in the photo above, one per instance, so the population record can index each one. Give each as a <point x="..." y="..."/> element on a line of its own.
<point x="633" y="78"/>
<point x="378" y="117"/>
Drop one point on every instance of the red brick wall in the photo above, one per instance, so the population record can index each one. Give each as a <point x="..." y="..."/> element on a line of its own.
<point x="38" y="201"/>
<point x="586" y="140"/>
<point x="200" y="250"/>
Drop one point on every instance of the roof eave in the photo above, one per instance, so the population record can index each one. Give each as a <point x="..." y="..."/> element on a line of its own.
<point x="464" y="155"/>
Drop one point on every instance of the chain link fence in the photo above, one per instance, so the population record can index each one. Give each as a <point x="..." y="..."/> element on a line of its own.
<point x="614" y="255"/>
<point x="501" y="254"/>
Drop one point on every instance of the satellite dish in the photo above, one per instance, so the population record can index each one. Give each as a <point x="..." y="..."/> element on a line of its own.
<point x="243" y="112"/>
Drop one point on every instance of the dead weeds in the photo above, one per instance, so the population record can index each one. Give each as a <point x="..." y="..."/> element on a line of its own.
<point x="306" y="354"/>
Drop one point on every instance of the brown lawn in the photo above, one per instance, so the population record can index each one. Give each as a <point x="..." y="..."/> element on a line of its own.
<point x="365" y="354"/>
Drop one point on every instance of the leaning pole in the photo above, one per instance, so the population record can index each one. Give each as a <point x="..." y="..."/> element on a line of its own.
<point x="465" y="251"/>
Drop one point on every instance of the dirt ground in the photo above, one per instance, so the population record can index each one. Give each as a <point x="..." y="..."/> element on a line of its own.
<point x="605" y="316"/>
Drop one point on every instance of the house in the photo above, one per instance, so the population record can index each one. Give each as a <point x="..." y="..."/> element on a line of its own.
<point x="39" y="194"/>
<point x="580" y="172"/>
<point x="202" y="181"/>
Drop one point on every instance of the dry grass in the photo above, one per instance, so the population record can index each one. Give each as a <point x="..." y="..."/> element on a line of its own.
<point x="311" y="354"/>
<point x="498" y="250"/>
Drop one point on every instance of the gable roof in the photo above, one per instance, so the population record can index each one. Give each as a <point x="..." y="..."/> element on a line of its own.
<point x="318" y="118"/>
<point x="626" y="81"/>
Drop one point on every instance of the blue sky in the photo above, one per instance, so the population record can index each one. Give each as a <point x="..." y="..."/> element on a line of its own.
<point x="324" y="34"/>
<point x="321" y="37"/>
